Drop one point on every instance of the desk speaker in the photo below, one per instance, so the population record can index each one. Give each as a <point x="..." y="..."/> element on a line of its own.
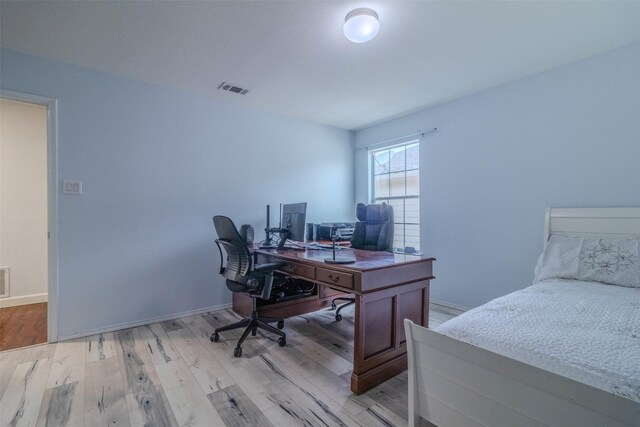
<point x="246" y="233"/>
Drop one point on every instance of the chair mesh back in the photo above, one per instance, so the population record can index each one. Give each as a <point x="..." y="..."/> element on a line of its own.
<point x="238" y="262"/>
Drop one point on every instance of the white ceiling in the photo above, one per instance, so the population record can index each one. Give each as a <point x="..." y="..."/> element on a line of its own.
<point x="293" y="56"/>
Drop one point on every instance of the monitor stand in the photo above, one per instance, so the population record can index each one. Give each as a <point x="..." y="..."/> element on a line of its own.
<point x="280" y="244"/>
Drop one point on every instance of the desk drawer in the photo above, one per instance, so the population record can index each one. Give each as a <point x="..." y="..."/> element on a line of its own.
<point x="301" y="270"/>
<point x="344" y="280"/>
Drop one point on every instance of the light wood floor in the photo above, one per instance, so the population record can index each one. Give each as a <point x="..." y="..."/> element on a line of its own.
<point x="170" y="374"/>
<point x="23" y="325"/>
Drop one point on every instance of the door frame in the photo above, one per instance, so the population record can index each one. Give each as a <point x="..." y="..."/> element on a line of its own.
<point x="52" y="202"/>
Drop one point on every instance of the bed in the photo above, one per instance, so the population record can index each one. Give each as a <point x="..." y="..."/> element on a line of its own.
<point x="562" y="352"/>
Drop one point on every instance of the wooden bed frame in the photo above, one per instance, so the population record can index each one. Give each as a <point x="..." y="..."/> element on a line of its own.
<point x="452" y="383"/>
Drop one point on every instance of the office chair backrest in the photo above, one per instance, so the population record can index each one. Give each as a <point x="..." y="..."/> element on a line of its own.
<point x="238" y="257"/>
<point x="374" y="229"/>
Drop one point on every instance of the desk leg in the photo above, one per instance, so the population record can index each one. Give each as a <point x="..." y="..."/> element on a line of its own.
<point x="380" y="350"/>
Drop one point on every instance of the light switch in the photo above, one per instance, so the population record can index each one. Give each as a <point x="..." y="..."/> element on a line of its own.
<point x="71" y="187"/>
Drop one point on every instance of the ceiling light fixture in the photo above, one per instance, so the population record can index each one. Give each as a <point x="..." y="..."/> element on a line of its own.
<point x="361" y="25"/>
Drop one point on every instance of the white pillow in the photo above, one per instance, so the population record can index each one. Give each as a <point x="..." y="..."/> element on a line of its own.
<point x="608" y="260"/>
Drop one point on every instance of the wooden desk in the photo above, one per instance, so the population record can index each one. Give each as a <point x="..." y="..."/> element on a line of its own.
<point x="387" y="287"/>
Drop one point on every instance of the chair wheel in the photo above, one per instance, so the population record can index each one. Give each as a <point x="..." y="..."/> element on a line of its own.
<point x="338" y="317"/>
<point x="237" y="352"/>
<point x="282" y="341"/>
<point x="280" y="324"/>
<point x="333" y="306"/>
<point x="214" y="337"/>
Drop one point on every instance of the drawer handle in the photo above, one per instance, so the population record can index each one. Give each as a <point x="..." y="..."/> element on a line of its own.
<point x="292" y="268"/>
<point x="334" y="279"/>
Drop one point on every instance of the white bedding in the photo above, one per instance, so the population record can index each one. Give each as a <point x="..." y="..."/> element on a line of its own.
<point x="586" y="331"/>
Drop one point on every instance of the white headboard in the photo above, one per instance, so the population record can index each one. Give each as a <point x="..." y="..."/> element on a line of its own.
<point x="609" y="222"/>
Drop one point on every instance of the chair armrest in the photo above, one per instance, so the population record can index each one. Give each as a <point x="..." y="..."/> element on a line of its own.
<point x="266" y="267"/>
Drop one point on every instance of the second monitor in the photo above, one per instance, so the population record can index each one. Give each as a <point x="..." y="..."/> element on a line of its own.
<point x="293" y="220"/>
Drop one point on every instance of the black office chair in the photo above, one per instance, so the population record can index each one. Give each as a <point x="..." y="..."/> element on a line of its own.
<point x="372" y="232"/>
<point x="242" y="276"/>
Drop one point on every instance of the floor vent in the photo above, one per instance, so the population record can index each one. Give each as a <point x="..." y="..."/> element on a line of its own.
<point x="4" y="282"/>
<point x="233" y="88"/>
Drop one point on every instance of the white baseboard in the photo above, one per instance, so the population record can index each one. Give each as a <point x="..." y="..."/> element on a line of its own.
<point x="23" y="300"/>
<point x="454" y="307"/>
<point x="136" y="323"/>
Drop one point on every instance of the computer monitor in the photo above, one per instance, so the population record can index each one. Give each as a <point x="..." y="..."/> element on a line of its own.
<point x="293" y="220"/>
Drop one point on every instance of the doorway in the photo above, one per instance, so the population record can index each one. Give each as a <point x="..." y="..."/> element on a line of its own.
<point x="27" y="211"/>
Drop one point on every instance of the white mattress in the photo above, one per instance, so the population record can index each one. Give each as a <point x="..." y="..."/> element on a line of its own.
<point x="586" y="331"/>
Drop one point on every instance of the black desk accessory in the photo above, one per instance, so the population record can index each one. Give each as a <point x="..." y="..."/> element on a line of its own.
<point x="340" y="259"/>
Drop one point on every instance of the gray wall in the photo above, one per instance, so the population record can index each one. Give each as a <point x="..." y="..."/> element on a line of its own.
<point x="156" y="165"/>
<point x="569" y="137"/>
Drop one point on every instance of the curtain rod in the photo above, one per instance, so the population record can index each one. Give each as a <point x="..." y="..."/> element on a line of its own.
<point x="421" y="134"/>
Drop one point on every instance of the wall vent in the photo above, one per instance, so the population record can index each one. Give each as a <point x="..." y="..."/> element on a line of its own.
<point x="4" y="282"/>
<point x="233" y="88"/>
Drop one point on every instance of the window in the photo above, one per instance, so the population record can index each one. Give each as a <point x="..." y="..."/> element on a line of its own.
<point x="396" y="181"/>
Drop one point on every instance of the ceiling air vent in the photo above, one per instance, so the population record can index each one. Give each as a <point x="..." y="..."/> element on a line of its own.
<point x="233" y="88"/>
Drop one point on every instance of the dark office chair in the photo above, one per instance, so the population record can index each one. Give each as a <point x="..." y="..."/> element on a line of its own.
<point x="372" y="232"/>
<point x="242" y="276"/>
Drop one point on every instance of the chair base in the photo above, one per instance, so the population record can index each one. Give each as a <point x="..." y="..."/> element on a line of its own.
<point x="333" y="306"/>
<point x="251" y="325"/>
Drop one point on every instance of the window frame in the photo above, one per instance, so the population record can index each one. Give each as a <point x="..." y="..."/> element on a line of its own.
<point x="380" y="199"/>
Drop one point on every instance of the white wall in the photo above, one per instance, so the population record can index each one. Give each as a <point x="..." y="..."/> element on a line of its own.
<point x="23" y="199"/>
<point x="157" y="164"/>
<point x="569" y="137"/>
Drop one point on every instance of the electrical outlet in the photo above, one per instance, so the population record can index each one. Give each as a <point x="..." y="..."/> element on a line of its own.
<point x="72" y="187"/>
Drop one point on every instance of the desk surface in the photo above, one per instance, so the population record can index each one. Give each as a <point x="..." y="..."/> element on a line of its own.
<point x="365" y="260"/>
